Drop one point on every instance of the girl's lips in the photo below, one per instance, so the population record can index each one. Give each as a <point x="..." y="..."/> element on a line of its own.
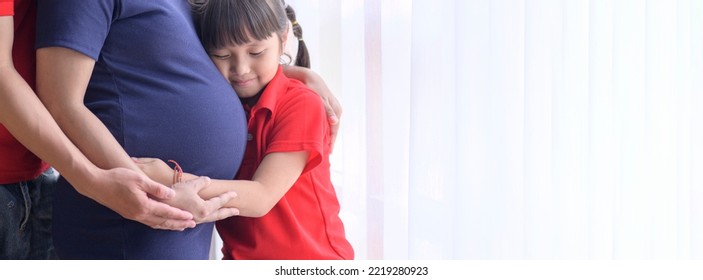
<point x="243" y="83"/>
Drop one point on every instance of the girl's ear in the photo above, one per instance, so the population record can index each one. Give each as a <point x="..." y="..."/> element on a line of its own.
<point x="284" y="38"/>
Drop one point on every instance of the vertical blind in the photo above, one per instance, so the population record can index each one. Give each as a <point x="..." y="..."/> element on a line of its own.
<point x="498" y="129"/>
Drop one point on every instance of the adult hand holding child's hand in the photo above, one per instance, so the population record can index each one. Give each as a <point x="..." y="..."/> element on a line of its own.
<point x="187" y="197"/>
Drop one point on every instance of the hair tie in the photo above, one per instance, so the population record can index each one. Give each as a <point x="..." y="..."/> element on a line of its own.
<point x="294" y="23"/>
<point x="300" y="39"/>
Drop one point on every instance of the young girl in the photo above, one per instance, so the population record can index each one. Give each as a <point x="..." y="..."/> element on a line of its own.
<point x="288" y="206"/>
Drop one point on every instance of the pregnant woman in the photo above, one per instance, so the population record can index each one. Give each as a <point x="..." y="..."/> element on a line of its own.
<point x="130" y="78"/>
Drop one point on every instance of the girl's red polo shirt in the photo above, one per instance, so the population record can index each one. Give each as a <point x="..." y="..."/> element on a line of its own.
<point x="16" y="162"/>
<point x="305" y="223"/>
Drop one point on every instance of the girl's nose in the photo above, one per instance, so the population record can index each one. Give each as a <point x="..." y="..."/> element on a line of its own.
<point x="241" y="68"/>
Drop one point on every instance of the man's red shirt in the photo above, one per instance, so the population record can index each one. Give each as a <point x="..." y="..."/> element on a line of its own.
<point x="16" y="162"/>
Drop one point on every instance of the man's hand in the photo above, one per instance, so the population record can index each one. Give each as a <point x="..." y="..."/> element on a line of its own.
<point x="134" y="196"/>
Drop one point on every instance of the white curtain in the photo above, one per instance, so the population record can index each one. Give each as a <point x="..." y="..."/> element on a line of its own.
<point x="499" y="129"/>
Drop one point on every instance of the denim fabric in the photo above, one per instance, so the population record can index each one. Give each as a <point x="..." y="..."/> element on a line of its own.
<point x="25" y="218"/>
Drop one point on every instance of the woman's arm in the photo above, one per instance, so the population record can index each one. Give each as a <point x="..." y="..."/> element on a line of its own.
<point x="62" y="78"/>
<point x="23" y="114"/>
<point x="273" y="178"/>
<point x="318" y="85"/>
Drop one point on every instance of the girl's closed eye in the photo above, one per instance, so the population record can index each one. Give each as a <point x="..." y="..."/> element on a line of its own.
<point x="257" y="53"/>
<point x="220" y="56"/>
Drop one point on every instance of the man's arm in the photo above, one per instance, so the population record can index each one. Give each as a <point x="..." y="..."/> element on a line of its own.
<point x="62" y="78"/>
<point x="23" y="114"/>
<point x="121" y="189"/>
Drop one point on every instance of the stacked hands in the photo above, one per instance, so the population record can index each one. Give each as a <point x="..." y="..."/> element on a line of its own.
<point x="137" y="197"/>
<point x="55" y="123"/>
<point x="180" y="206"/>
<point x="185" y="196"/>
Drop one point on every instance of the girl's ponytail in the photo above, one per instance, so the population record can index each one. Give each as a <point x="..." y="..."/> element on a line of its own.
<point x="302" y="58"/>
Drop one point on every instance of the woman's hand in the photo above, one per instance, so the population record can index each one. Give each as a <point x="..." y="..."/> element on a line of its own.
<point x="156" y="169"/>
<point x="318" y="85"/>
<point x="187" y="198"/>
<point x="187" y="192"/>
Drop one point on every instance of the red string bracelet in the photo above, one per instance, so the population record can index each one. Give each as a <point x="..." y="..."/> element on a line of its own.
<point x="177" y="172"/>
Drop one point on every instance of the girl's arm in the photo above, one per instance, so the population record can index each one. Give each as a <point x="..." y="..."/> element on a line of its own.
<point x="273" y="178"/>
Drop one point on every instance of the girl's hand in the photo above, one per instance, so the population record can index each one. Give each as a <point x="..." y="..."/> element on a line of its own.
<point x="187" y="192"/>
<point x="156" y="169"/>
<point x="187" y="198"/>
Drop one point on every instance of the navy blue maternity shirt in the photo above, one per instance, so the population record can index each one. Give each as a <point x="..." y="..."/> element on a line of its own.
<point x="159" y="94"/>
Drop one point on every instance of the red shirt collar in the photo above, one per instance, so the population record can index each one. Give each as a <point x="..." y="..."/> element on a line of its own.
<point x="269" y="98"/>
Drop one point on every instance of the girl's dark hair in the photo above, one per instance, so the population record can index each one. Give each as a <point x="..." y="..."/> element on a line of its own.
<point x="302" y="58"/>
<point x="223" y="22"/>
